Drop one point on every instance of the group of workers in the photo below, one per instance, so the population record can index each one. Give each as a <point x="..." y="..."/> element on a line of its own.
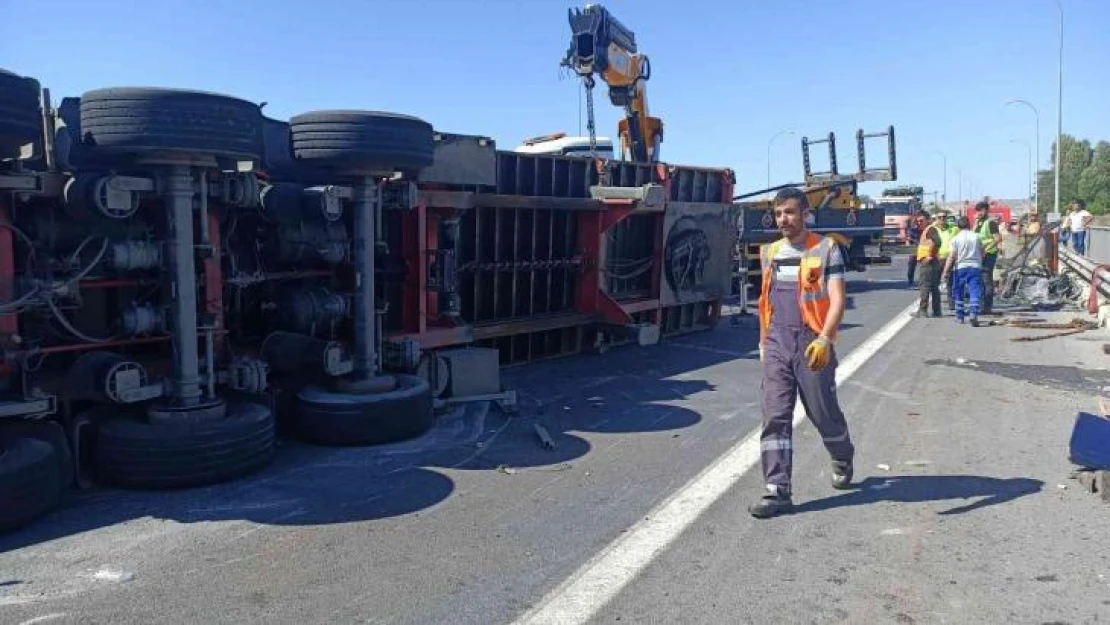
<point x="801" y="304"/>
<point x="962" y="256"/>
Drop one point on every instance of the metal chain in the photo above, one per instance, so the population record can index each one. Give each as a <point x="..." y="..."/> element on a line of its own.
<point x="602" y="170"/>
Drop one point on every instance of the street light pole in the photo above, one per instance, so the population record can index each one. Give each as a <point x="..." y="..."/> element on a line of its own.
<point x="1059" y="110"/>
<point x="944" y="193"/>
<point x="769" y="142"/>
<point x="1029" y="159"/>
<point x="1037" y="183"/>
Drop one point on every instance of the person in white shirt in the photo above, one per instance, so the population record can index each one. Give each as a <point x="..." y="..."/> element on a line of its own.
<point x="1079" y="219"/>
<point x="965" y="257"/>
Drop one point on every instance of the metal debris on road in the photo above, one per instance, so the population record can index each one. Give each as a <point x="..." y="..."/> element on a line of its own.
<point x="883" y="467"/>
<point x="108" y="575"/>
<point x="545" y="438"/>
<point x="1075" y="326"/>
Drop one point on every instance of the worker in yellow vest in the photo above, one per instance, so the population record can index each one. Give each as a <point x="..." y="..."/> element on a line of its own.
<point x="987" y="229"/>
<point x="948" y="230"/>
<point x="929" y="267"/>
<point x="800" y="307"/>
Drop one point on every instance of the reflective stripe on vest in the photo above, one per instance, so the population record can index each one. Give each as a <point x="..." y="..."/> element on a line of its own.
<point x="946" y="236"/>
<point x="813" y="294"/>
<point x="989" y="246"/>
<point x="925" y="247"/>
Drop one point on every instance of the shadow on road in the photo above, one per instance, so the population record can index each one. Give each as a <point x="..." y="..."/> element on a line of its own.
<point x="924" y="488"/>
<point x="628" y="390"/>
<point x="1059" y="377"/>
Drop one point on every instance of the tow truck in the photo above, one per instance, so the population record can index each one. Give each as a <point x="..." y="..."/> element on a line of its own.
<point x="837" y="211"/>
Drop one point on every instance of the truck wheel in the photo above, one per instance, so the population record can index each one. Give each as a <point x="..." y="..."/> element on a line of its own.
<point x="20" y="115"/>
<point x="28" y="481"/>
<point x="141" y="120"/>
<point x="49" y="432"/>
<point x="330" y="418"/>
<point x="135" y="453"/>
<point x="385" y="141"/>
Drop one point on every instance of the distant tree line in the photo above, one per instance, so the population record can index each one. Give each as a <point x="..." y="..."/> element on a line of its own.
<point x="1084" y="175"/>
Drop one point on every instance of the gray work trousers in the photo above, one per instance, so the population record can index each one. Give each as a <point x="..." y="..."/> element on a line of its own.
<point x="785" y="376"/>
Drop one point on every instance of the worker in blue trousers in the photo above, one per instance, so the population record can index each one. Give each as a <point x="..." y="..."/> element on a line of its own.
<point x="800" y="308"/>
<point x="965" y="261"/>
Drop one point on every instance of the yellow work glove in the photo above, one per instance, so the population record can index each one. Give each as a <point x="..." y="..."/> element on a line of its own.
<point x="817" y="354"/>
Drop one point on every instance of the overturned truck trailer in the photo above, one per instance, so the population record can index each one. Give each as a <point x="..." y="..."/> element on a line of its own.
<point x="179" y="274"/>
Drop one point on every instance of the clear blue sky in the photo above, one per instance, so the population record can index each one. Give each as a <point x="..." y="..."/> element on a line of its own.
<point x="726" y="75"/>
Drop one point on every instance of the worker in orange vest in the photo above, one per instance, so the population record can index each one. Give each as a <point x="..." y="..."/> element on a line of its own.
<point x="800" y="308"/>
<point x="928" y="264"/>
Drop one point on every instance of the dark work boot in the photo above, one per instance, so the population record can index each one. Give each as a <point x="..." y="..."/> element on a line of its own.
<point x="841" y="475"/>
<point x="771" y="504"/>
<point x="974" y="321"/>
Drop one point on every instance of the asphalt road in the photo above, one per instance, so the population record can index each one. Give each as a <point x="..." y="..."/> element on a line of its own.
<point x="474" y="523"/>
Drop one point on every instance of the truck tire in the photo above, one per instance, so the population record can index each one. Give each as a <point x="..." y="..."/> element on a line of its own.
<point x="20" y="115"/>
<point x="47" y="431"/>
<point x="330" y="418"/>
<point x="135" y="453"/>
<point x="385" y="141"/>
<point x="28" y="481"/>
<point x="143" y="120"/>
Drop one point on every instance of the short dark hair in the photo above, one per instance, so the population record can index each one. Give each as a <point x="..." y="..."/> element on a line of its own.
<point x="792" y="193"/>
<point x="963" y="223"/>
<point x="1080" y="203"/>
<point x="983" y="206"/>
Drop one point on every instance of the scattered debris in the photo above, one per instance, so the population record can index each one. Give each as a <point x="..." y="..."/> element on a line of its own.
<point x="506" y="469"/>
<point x="883" y="467"/>
<point x="557" y="468"/>
<point x="545" y="438"/>
<point x="108" y="575"/>
<point x="917" y="463"/>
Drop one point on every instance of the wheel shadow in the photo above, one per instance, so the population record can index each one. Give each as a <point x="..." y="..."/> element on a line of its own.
<point x="990" y="491"/>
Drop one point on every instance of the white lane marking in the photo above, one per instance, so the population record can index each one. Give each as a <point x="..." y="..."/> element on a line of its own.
<point x="44" y="618"/>
<point x="593" y="585"/>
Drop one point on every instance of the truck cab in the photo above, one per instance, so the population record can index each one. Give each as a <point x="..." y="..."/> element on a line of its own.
<point x="896" y="219"/>
<point x="899" y="205"/>
<point x="560" y="144"/>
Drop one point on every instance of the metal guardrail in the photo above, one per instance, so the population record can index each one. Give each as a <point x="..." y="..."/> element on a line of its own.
<point x="1098" y="244"/>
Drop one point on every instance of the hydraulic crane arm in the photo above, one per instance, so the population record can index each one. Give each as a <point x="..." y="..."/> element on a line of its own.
<point x="602" y="46"/>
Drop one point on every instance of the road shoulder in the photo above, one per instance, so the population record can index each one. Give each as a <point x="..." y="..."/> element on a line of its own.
<point x="963" y="512"/>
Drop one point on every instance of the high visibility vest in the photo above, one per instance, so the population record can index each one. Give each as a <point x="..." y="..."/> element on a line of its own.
<point x="926" y="249"/>
<point x="813" y="294"/>
<point x="984" y="229"/>
<point x="946" y="236"/>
